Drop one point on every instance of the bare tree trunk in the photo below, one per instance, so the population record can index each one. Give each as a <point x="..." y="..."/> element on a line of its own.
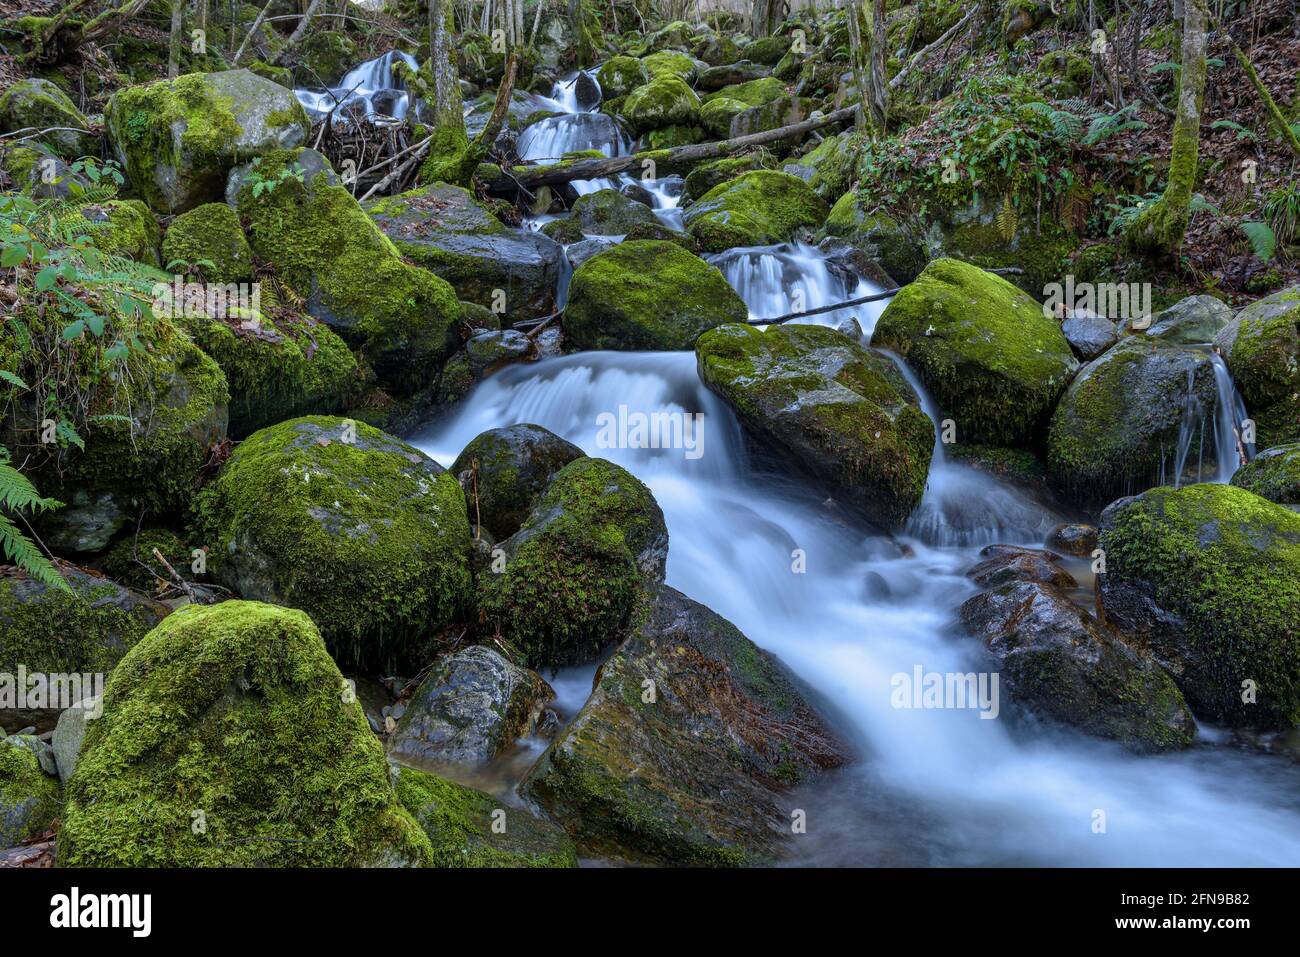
<point x="299" y="33"/>
<point x="174" y="46"/>
<point x="1160" y="228"/>
<point x="765" y="17"/>
<point x="857" y="57"/>
<point x="879" y="101"/>
<point x="448" y="108"/>
<point x="257" y="25"/>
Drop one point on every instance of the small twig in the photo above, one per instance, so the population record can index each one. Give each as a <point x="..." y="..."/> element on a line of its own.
<point x="184" y="585"/>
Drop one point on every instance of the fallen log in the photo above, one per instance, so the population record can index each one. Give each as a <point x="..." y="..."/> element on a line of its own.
<point x="665" y="161"/>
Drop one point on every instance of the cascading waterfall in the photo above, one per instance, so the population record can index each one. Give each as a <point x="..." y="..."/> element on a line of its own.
<point x="373" y="86"/>
<point x="1229" y="450"/>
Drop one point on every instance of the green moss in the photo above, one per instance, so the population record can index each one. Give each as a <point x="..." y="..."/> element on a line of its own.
<point x="664" y="101"/>
<point x="647" y="294"/>
<point x="878" y="234"/>
<point x="717" y="114"/>
<point x="369" y="536"/>
<point x="30" y="800"/>
<point x="37" y="104"/>
<point x="983" y="348"/>
<point x="708" y="175"/>
<point x="751" y="93"/>
<point x="1226" y="564"/>
<point x="459" y="824"/>
<point x="132" y="231"/>
<point x="210" y="233"/>
<point x="671" y="136"/>
<point x="235" y="711"/>
<point x="572" y="582"/>
<point x="1273" y="474"/>
<point x="754" y="209"/>
<point x="620" y="75"/>
<point x="668" y="63"/>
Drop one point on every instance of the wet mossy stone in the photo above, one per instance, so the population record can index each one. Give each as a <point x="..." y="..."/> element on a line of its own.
<point x="985" y="350"/>
<point x="829" y="407"/>
<point x="1117" y="426"/>
<point x="177" y="139"/>
<point x="1189" y="321"/>
<point x="579" y="569"/>
<point x="471" y="706"/>
<point x="459" y="823"/>
<point x="664" y="101"/>
<point x="751" y="93"/>
<point x="1273" y="474"/>
<point x="647" y="294"/>
<point x="607" y="212"/>
<point x="1207" y="577"/>
<point x="669" y="63"/>
<point x="37" y="104"/>
<point x="754" y="209"/>
<point x="1055" y="658"/>
<point x="768" y="50"/>
<point x="639" y="778"/>
<point x="360" y="530"/>
<point x="1261" y="346"/>
<point x="130" y="230"/>
<point x="443" y="229"/>
<point x="210" y="233"/>
<point x="828" y="168"/>
<point x="505" y="470"/>
<point x="620" y="75"/>
<point x="320" y="241"/>
<point x="708" y="175"/>
<point x="880" y="235"/>
<point x="716" y="115"/>
<point x="237" y="711"/>
<point x="30" y="799"/>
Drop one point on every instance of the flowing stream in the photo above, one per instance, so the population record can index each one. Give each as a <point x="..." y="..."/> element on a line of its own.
<point x="940" y="787"/>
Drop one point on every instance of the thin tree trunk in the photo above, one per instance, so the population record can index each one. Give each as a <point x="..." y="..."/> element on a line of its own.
<point x="857" y="59"/>
<point x="257" y="25"/>
<point x="299" y="33"/>
<point x="174" y="46"/>
<point x="448" y="108"/>
<point x="879" y="88"/>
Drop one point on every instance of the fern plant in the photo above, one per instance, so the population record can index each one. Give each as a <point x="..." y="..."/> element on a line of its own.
<point x="1106" y="125"/>
<point x="1262" y="241"/>
<point x="18" y="495"/>
<point x="1282" y="212"/>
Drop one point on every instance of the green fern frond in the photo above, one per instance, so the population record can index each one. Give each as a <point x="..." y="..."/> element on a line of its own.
<point x="26" y="556"/>
<point x="1262" y="240"/>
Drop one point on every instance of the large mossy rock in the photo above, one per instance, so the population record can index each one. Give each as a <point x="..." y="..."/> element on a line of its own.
<point x="1273" y="474"/>
<point x="989" y="356"/>
<point x="828" y="406"/>
<point x="465" y="829"/>
<point x="647" y="294"/>
<point x="665" y="101"/>
<point x="607" y="212"/>
<point x="444" y="230"/>
<point x="1118" y="424"/>
<point x="470" y="707"/>
<point x="209" y="238"/>
<point x="669" y="64"/>
<point x="574" y="575"/>
<point x="1055" y="658"/>
<point x="620" y="75"/>
<point x="37" y="104"/>
<point x="506" y="469"/>
<point x="233" y="715"/>
<point x="687" y="749"/>
<point x="1261" y="346"/>
<point x="754" y="209"/>
<point x="878" y="234"/>
<point x="321" y="242"/>
<point x="1207" y="578"/>
<point x="1196" y="319"/>
<point x="360" y="530"/>
<point x="30" y="800"/>
<point x="177" y="139"/>
<point x="129" y="230"/>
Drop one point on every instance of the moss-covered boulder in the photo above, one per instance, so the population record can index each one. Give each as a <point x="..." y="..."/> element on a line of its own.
<point x="716" y="115"/>
<point x="1196" y="319"/>
<point x="505" y="470"/>
<point x="828" y="168"/>
<point x="1117" y="427"/>
<point x="573" y="576"/>
<point x="364" y="533"/>
<point x="1261" y="346"/>
<point x="210" y="240"/>
<point x="768" y="50"/>
<point x="177" y="139"/>
<point x="656" y="769"/>
<point x="1055" y="659"/>
<point x="705" y="176"/>
<point x="664" y="101"/>
<point x="878" y="234"/>
<point x="1273" y="474"/>
<point x="829" y="407"/>
<point x="325" y="57"/>
<point x="729" y="74"/>
<point x="620" y="75"/>
<point x="607" y="212"/>
<point x="321" y="242"/>
<point x="773" y="115"/>
<point x="669" y="63"/>
<point x="129" y="230"/>
<point x="30" y="799"/>
<point x="752" y="92"/>
<point x="37" y="104"/>
<point x="464" y="826"/>
<point x="230" y="739"/>
<point x="471" y="706"/>
<point x="131" y="562"/>
<point x="754" y="209"/>
<point x="1207" y="578"/>
<point x="989" y="356"/>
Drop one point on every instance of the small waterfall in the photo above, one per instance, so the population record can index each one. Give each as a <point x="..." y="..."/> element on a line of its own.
<point x="373" y="86"/>
<point x="1222" y="429"/>
<point x="1230" y="414"/>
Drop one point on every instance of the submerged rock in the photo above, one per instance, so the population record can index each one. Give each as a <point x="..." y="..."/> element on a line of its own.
<point x="1273" y="474"/>
<point x="687" y="748"/>
<point x="829" y="407"/>
<point x="362" y="531"/>
<point x="177" y="139"/>
<point x="230" y="739"/>
<point x="1054" y="657"/>
<point x="1120" y="420"/>
<point x="1261" y="346"/>
<point x="983" y="348"/>
<point x="505" y="470"/>
<point x="754" y="209"/>
<point x="592" y="547"/>
<point x="472" y="706"/>
<point x="647" y="294"/>
<point x="1207" y="578"/>
<point x="1011" y="563"/>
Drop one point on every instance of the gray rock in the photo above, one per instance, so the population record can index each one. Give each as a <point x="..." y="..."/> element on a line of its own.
<point x="580" y="252"/>
<point x="1196" y="319"/>
<point x="1010" y="563"/>
<point x="607" y="212"/>
<point x="1071" y="539"/>
<point x="487" y="351"/>
<point x="86" y="523"/>
<point x="717" y="77"/>
<point x="70" y="732"/>
<point x="472" y="706"/>
<point x="37" y="104"/>
<point x="1089" y="335"/>
<point x="44" y="753"/>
